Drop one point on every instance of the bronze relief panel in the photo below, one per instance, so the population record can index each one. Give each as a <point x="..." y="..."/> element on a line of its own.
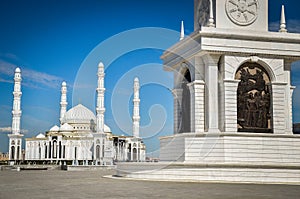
<point x="254" y="96"/>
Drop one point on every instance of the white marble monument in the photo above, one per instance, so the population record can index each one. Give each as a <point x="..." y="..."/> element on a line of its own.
<point x="232" y="98"/>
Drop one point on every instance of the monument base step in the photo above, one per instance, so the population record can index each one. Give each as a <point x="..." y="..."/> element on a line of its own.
<point x="222" y="173"/>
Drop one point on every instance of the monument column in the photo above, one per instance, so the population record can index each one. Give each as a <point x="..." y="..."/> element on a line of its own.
<point x="212" y="92"/>
<point x="197" y="90"/>
<point x="289" y="102"/>
<point x="279" y="107"/>
<point x="177" y="94"/>
<point x="230" y="105"/>
<point x="290" y="129"/>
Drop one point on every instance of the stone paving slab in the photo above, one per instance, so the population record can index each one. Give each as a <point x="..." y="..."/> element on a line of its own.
<point x="91" y="184"/>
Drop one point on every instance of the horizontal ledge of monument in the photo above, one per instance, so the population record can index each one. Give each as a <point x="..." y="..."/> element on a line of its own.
<point x="238" y="50"/>
<point x="231" y="134"/>
<point x="247" y="35"/>
<point x="245" y="45"/>
<point x="209" y="33"/>
<point x="197" y="164"/>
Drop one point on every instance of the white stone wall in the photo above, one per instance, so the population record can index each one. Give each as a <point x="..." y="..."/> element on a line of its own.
<point x="172" y="148"/>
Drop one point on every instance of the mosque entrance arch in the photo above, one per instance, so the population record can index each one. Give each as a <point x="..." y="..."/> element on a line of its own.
<point x="254" y="99"/>
<point x="184" y="125"/>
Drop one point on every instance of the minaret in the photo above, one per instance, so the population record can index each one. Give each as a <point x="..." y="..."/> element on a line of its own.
<point x="182" y="31"/>
<point x="63" y="101"/>
<point x="100" y="99"/>
<point x="136" y="108"/>
<point x="282" y="21"/>
<point x="15" y="139"/>
<point x="17" y="103"/>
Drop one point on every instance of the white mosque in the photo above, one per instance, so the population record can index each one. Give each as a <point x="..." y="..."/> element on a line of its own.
<point x="82" y="137"/>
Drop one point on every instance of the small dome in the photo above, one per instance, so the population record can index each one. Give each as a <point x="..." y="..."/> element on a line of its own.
<point x="66" y="127"/>
<point x="106" y="129"/>
<point x="18" y="70"/>
<point x="40" y="135"/>
<point x="54" y="129"/>
<point x="79" y="115"/>
<point x="64" y="84"/>
<point x="136" y="79"/>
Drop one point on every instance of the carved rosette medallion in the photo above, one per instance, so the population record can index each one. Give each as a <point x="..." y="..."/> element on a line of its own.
<point x="242" y="12"/>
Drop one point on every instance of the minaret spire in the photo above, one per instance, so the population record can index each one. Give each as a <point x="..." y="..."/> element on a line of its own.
<point x="282" y="21"/>
<point x="182" y="31"/>
<point x="211" y="21"/>
<point x="100" y="99"/>
<point x="136" y="108"/>
<point x="63" y="101"/>
<point x="15" y="139"/>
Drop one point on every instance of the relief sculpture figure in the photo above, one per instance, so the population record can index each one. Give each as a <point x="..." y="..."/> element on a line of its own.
<point x="253" y="99"/>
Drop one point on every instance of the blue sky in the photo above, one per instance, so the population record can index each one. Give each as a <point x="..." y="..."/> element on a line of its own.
<point x="55" y="41"/>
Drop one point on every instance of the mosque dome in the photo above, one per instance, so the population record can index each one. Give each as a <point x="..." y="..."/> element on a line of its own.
<point x="79" y="114"/>
<point x="107" y="129"/>
<point x="40" y="136"/>
<point x="54" y="129"/>
<point x="18" y="70"/>
<point x="66" y="127"/>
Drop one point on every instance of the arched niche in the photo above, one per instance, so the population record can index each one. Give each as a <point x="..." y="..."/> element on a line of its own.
<point x="254" y="99"/>
<point x="185" y="105"/>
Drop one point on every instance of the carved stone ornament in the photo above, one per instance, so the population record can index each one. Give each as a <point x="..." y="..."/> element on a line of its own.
<point x="242" y="12"/>
<point x="254" y="99"/>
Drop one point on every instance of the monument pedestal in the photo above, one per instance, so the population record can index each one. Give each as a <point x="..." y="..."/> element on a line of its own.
<point x="232" y="148"/>
<point x="223" y="157"/>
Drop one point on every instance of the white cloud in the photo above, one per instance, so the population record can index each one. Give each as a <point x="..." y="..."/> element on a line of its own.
<point x="6" y="80"/>
<point x="31" y="78"/>
<point x="8" y="130"/>
<point x="293" y="26"/>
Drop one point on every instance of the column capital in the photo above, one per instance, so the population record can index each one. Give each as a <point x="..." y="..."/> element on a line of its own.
<point x="211" y="59"/>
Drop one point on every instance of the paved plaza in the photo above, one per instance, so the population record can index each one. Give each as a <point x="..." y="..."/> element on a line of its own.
<point x="91" y="184"/>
